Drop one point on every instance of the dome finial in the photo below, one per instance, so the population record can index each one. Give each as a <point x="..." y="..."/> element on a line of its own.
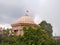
<point x="26" y="12"/>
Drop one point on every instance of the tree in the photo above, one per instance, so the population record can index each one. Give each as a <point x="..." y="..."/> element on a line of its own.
<point x="32" y="36"/>
<point x="38" y="36"/>
<point x="46" y="26"/>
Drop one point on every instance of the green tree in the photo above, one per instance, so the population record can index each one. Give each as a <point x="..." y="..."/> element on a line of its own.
<point x="32" y="36"/>
<point x="46" y="26"/>
<point x="37" y="36"/>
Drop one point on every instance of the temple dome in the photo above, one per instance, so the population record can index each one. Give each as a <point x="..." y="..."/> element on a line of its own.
<point x="25" y="19"/>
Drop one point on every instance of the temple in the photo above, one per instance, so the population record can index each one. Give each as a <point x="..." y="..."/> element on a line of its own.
<point x="25" y="20"/>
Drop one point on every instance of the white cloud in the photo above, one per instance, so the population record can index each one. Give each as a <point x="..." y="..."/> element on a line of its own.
<point x="37" y="18"/>
<point x="43" y="9"/>
<point x="6" y="26"/>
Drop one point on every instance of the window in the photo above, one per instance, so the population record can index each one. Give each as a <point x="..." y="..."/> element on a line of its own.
<point x="15" y="31"/>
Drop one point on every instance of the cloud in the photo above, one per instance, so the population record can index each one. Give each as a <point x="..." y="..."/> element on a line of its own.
<point x="49" y="10"/>
<point x="6" y="26"/>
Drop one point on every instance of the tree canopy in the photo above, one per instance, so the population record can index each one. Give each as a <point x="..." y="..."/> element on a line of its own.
<point x="32" y="36"/>
<point x="47" y="26"/>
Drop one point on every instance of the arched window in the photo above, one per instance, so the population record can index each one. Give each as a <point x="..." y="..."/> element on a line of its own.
<point x="15" y="31"/>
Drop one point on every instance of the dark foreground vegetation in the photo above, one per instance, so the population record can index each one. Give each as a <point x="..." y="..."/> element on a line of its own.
<point x="32" y="36"/>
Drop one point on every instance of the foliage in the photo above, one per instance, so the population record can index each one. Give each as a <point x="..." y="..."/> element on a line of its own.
<point x="46" y="26"/>
<point x="32" y="36"/>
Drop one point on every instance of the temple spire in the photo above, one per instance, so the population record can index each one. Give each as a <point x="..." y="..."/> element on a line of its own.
<point x="27" y="13"/>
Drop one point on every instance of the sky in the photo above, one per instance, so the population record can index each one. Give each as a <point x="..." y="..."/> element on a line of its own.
<point x="39" y="10"/>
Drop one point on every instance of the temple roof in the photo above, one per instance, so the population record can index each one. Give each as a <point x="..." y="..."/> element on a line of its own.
<point x="25" y="19"/>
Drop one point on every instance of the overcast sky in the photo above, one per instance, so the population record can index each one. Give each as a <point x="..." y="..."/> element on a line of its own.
<point x="49" y="10"/>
